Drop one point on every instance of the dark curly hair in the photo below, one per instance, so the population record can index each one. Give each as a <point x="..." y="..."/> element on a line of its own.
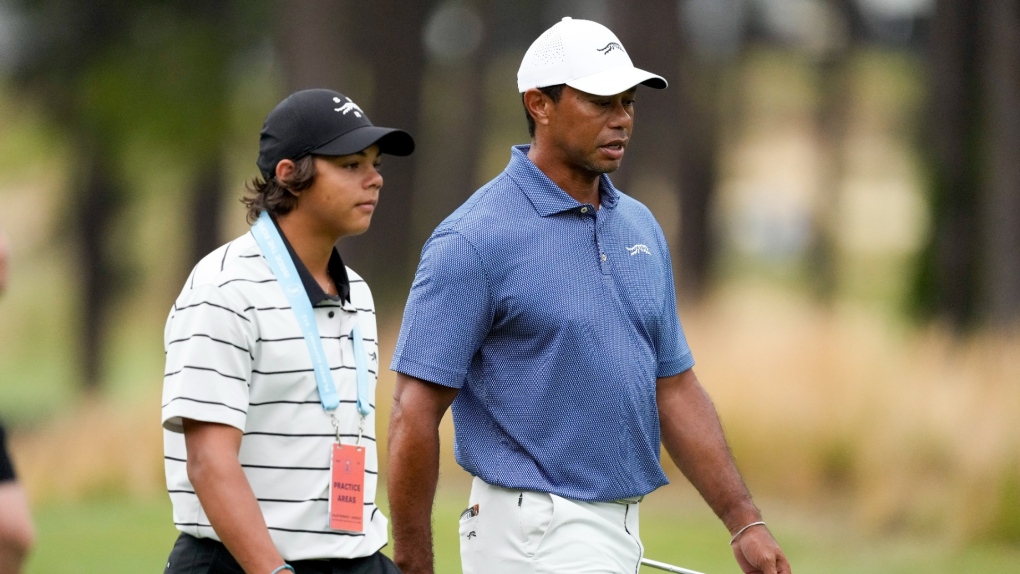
<point x="278" y="196"/>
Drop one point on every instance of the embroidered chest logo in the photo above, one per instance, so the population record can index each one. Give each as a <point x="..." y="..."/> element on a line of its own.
<point x="610" y="47"/>
<point x="348" y="107"/>
<point x="638" y="248"/>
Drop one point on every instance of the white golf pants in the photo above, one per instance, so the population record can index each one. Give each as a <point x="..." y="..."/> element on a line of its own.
<point x="523" y="532"/>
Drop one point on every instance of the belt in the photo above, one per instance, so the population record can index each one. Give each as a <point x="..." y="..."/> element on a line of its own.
<point x="632" y="500"/>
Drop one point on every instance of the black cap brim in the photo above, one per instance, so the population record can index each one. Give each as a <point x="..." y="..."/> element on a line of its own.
<point x="390" y="141"/>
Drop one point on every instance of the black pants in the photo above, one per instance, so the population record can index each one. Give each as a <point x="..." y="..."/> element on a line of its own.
<point x="6" y="466"/>
<point x="207" y="556"/>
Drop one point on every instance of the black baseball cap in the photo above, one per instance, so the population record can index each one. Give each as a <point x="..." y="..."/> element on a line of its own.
<point x="322" y="122"/>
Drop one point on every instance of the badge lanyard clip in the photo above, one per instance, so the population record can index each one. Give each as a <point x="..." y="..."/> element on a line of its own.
<point x="336" y="428"/>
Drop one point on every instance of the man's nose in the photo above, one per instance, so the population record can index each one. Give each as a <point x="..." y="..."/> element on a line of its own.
<point x="375" y="179"/>
<point x="622" y="116"/>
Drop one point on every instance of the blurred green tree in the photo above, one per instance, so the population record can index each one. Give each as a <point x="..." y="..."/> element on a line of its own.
<point x="130" y="81"/>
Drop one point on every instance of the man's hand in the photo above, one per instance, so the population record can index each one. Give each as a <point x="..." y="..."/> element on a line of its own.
<point x="758" y="553"/>
<point x="693" y="436"/>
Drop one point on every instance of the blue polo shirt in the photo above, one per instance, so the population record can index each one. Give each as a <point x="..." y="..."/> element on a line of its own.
<point x="554" y="320"/>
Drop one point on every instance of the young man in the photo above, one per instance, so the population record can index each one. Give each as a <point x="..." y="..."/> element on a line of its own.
<point x="271" y="363"/>
<point x="16" y="532"/>
<point x="544" y="311"/>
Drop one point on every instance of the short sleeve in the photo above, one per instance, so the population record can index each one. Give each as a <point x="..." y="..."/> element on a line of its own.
<point x="674" y="354"/>
<point x="208" y="342"/>
<point x="448" y="313"/>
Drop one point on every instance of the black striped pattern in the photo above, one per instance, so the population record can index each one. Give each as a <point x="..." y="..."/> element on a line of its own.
<point x="236" y="355"/>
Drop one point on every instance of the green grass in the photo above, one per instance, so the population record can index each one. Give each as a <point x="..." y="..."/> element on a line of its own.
<point x="128" y="536"/>
<point x="114" y="535"/>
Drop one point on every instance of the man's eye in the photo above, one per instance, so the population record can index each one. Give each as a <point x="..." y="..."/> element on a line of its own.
<point x="352" y="166"/>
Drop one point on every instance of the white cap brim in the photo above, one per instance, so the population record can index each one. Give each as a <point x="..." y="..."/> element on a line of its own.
<point x="617" y="80"/>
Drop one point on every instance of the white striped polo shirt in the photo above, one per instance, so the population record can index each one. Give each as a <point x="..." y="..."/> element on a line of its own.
<point x="235" y="355"/>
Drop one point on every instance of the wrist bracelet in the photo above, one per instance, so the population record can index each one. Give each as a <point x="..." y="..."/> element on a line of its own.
<point x="282" y="568"/>
<point x="741" y="531"/>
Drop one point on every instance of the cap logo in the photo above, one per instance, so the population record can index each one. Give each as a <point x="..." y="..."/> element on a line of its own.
<point x="610" y="47"/>
<point x="348" y="107"/>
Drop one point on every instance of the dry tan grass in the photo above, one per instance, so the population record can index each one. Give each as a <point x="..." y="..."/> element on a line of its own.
<point x="97" y="448"/>
<point x="903" y="429"/>
<point x="839" y="410"/>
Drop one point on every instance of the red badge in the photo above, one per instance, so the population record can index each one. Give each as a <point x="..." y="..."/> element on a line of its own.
<point x="347" y="488"/>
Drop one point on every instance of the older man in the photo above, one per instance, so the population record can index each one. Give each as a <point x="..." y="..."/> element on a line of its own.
<point x="544" y="311"/>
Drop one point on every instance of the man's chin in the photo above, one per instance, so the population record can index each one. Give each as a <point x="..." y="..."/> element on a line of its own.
<point x="357" y="228"/>
<point x="604" y="166"/>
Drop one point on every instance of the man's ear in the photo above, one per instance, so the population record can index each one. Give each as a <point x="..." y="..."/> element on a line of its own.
<point x="538" y="105"/>
<point x="285" y="172"/>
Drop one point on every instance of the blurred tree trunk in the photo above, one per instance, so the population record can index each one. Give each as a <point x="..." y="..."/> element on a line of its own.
<point x="393" y="38"/>
<point x="206" y="208"/>
<point x="1001" y="214"/>
<point x="207" y="187"/>
<point x="470" y="140"/>
<point x="674" y="144"/>
<point x="98" y="200"/>
<point x="456" y="134"/>
<point x="317" y="46"/>
<point x="947" y="282"/>
<point x="320" y="48"/>
<point x="834" y="75"/>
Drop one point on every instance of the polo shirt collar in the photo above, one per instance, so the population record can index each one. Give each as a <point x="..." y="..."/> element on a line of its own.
<point x="336" y="269"/>
<point x="547" y="197"/>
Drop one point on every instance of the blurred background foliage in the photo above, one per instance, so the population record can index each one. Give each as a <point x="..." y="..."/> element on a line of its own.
<point x="838" y="180"/>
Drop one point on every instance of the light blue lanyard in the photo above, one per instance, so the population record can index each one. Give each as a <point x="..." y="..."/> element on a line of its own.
<point x="268" y="237"/>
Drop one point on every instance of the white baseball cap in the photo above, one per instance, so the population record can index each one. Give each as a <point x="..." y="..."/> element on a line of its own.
<point x="584" y="55"/>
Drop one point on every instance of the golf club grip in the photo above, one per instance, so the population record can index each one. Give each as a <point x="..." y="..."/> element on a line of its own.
<point x="668" y="567"/>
